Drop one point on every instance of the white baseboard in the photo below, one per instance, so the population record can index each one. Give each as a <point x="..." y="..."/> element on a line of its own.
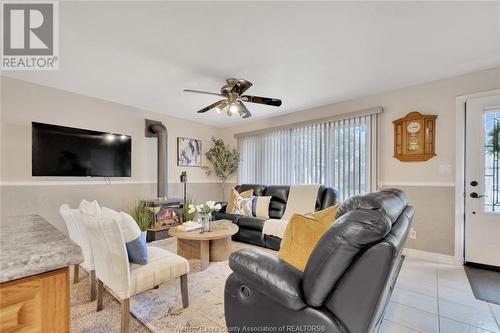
<point x="431" y="256"/>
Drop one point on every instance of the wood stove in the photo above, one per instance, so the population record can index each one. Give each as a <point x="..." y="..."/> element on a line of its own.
<point x="166" y="213"/>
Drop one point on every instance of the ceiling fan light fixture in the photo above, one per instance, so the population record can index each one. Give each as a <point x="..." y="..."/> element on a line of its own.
<point x="233" y="99"/>
<point x="233" y="108"/>
<point x="241" y="110"/>
<point x="221" y="106"/>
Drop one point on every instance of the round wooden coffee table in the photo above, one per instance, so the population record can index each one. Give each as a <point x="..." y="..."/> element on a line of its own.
<point x="208" y="246"/>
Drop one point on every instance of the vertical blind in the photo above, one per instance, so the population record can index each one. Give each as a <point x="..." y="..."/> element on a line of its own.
<point x="338" y="153"/>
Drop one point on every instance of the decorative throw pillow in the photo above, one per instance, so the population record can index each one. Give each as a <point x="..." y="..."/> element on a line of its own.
<point x="135" y="243"/>
<point x="302" y="234"/>
<point x="137" y="250"/>
<point x="243" y="206"/>
<point x="260" y="207"/>
<point x="232" y="199"/>
<point x="90" y="208"/>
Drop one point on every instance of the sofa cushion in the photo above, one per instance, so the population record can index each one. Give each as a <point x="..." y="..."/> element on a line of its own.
<point x="390" y="202"/>
<point x="271" y="242"/>
<point x="162" y="267"/>
<point x="258" y="190"/>
<point x="279" y="194"/>
<point x="327" y="197"/>
<point x="251" y="236"/>
<point x="226" y="216"/>
<point x="250" y="222"/>
<point x="343" y="241"/>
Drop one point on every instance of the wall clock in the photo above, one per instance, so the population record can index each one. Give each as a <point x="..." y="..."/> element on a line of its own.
<point x="415" y="137"/>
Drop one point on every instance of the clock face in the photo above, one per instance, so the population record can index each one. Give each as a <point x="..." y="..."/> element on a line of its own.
<point x="413" y="127"/>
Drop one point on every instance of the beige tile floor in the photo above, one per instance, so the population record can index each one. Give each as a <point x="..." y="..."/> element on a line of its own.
<point x="437" y="298"/>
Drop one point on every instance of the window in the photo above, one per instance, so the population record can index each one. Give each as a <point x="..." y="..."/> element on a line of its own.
<point x="492" y="161"/>
<point x="339" y="153"/>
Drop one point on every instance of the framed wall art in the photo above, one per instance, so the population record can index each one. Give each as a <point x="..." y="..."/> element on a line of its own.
<point x="189" y="152"/>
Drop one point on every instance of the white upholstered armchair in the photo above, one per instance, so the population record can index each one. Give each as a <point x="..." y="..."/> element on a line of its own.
<point x="78" y="234"/>
<point x="123" y="278"/>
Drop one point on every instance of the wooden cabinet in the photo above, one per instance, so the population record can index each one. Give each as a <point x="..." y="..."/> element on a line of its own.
<point x="37" y="303"/>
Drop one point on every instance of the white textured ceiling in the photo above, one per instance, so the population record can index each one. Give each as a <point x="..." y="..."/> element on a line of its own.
<point x="144" y="54"/>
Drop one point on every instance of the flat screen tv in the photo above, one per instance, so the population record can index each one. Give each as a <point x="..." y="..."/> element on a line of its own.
<point x="66" y="151"/>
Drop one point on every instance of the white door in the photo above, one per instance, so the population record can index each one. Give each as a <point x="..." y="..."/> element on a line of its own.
<point x="482" y="181"/>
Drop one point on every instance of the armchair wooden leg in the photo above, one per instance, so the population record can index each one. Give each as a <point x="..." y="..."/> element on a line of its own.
<point x="125" y="315"/>
<point x="100" y="294"/>
<point x="92" y="286"/>
<point x="184" y="291"/>
<point x="76" y="273"/>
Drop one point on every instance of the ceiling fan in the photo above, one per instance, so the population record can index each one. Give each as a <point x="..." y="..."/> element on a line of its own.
<point x="233" y="98"/>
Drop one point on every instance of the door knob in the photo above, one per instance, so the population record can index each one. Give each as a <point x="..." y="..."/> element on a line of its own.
<point x="477" y="196"/>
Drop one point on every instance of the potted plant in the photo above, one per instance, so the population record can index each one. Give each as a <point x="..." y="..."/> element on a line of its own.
<point x="224" y="159"/>
<point x="142" y="215"/>
<point x="206" y="211"/>
<point x="188" y="211"/>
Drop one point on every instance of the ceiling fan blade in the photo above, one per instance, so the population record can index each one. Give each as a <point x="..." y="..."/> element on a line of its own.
<point x="202" y="92"/>
<point x="213" y="105"/>
<point x="261" y="100"/>
<point x="241" y="86"/>
<point x="243" y="111"/>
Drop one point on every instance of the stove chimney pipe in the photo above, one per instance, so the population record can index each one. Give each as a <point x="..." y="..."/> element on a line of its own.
<point x="158" y="130"/>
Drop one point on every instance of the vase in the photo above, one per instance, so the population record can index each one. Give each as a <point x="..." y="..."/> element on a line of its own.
<point x="205" y="222"/>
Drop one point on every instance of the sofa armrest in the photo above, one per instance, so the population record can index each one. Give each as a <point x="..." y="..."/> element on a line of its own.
<point x="270" y="275"/>
<point x="223" y="205"/>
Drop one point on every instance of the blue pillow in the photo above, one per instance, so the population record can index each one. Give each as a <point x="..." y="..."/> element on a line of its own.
<point x="137" y="251"/>
<point x="135" y="243"/>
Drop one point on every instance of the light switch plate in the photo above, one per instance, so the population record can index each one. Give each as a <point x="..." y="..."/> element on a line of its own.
<point x="445" y="169"/>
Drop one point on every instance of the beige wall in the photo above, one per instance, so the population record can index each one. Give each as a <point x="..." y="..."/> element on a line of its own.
<point x="431" y="190"/>
<point x="23" y="102"/>
<point x="45" y="200"/>
<point x="432" y="98"/>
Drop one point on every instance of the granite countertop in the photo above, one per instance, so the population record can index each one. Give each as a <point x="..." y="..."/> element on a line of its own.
<point x="30" y="245"/>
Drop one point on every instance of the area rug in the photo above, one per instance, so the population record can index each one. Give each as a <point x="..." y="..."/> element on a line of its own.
<point x="485" y="283"/>
<point x="160" y="310"/>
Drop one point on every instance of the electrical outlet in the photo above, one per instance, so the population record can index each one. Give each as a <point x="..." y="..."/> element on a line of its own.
<point x="413" y="233"/>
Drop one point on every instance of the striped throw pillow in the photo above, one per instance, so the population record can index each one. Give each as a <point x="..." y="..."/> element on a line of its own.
<point x="260" y="207"/>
